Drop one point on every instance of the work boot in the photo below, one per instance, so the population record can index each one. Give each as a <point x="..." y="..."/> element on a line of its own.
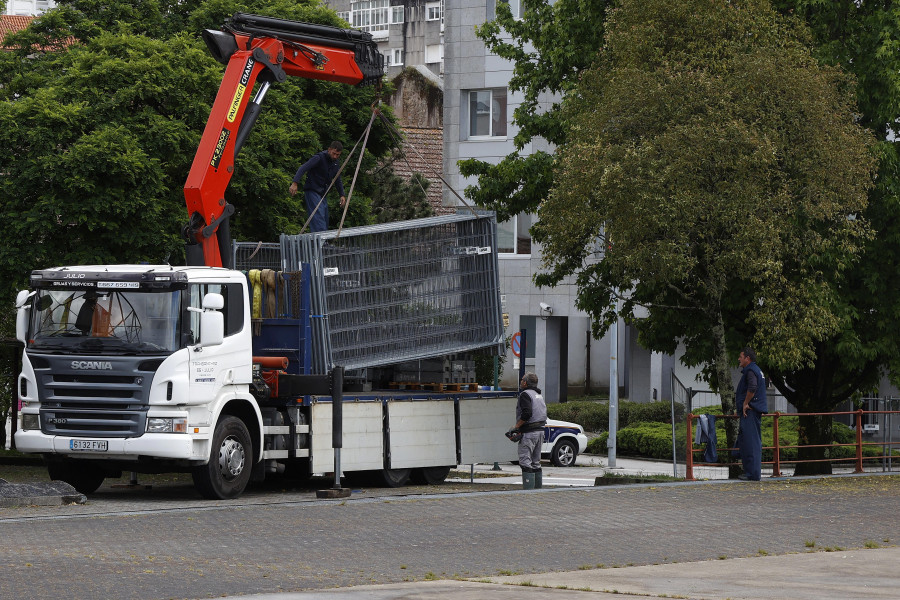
<point x="538" y="479"/>
<point x="527" y="480"/>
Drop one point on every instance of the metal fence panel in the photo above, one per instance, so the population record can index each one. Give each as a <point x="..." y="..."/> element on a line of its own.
<point x="395" y="292"/>
<point x="257" y="255"/>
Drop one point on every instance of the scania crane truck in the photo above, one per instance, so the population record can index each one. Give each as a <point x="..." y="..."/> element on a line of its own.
<point x="159" y="368"/>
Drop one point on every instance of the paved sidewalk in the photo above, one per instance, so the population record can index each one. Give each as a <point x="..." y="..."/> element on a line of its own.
<point x="468" y="545"/>
<point x="849" y="575"/>
<point x="588" y="467"/>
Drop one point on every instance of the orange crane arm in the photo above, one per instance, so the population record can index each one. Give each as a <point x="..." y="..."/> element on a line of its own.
<point x="264" y="49"/>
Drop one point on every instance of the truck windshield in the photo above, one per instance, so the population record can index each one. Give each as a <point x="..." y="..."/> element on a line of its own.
<point x="108" y="321"/>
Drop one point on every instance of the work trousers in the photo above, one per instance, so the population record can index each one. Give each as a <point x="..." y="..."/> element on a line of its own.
<point x="750" y="444"/>
<point x="530" y="449"/>
<point x="319" y="220"/>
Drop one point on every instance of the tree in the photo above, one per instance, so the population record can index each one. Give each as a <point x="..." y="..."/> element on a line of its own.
<point x="398" y="199"/>
<point x="861" y="37"/>
<point x="102" y="105"/>
<point x="722" y="169"/>
<point x="550" y="46"/>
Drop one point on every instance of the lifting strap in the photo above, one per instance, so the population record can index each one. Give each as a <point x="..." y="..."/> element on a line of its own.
<point x="396" y="137"/>
<point x="256" y="285"/>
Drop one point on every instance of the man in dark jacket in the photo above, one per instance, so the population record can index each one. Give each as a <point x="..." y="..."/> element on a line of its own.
<point x="320" y="170"/>
<point x="531" y="416"/>
<point x="751" y="403"/>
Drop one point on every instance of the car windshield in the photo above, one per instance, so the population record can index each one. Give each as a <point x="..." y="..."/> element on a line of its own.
<point x="106" y="322"/>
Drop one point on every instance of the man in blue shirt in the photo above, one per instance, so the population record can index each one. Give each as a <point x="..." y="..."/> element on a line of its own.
<point x="320" y="170"/>
<point x="751" y="403"/>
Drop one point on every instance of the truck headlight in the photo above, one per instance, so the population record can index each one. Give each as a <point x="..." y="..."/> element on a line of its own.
<point x="167" y="425"/>
<point x="30" y="421"/>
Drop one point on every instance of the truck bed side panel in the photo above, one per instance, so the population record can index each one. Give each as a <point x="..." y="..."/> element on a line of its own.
<point x="422" y="434"/>
<point x="482" y="425"/>
<point x="363" y="437"/>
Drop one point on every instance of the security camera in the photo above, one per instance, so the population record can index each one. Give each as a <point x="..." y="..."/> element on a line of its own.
<point x="546" y="308"/>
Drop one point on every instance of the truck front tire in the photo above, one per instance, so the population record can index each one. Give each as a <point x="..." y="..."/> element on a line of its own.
<point x="228" y="471"/>
<point x="81" y="475"/>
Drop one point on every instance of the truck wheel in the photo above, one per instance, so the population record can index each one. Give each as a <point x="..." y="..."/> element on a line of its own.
<point x="395" y="477"/>
<point x="228" y="470"/>
<point x="81" y="475"/>
<point x="430" y="475"/>
<point x="564" y="453"/>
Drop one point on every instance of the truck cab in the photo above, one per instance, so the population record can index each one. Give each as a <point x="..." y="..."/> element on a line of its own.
<point x="131" y="362"/>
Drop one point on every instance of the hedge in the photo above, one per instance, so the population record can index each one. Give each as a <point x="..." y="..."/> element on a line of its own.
<point x="594" y="416"/>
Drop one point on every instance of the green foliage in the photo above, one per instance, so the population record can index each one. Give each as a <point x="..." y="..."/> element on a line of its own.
<point x="395" y="199"/>
<point x="862" y="38"/>
<point x="100" y="136"/>
<point x="717" y="162"/>
<point x="650" y="440"/>
<point x="484" y="365"/>
<point x="594" y="416"/>
<point x="597" y="445"/>
<point x="98" y="151"/>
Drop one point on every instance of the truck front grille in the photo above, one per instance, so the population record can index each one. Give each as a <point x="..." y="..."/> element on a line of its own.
<point x="104" y="423"/>
<point x="111" y="404"/>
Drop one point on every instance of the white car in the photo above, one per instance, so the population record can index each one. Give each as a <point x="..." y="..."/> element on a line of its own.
<point x="563" y="441"/>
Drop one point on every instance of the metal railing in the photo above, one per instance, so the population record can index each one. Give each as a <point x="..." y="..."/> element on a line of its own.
<point x="887" y="445"/>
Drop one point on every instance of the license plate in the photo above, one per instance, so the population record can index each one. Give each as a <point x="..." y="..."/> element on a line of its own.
<point x="88" y="445"/>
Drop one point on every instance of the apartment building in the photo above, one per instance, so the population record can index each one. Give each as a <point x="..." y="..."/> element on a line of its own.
<point x="27" y="7"/>
<point x="408" y="32"/>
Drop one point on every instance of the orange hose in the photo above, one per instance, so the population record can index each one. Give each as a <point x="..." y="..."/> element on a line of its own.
<point x="271" y="362"/>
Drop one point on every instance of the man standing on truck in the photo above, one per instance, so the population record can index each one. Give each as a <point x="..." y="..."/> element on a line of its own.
<point x="320" y="171"/>
<point x="531" y="416"/>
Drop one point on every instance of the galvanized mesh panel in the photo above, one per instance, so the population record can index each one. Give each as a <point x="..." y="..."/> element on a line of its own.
<point x="257" y="255"/>
<point x="402" y="291"/>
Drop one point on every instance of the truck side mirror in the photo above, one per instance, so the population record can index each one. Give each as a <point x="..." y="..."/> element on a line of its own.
<point x="212" y="321"/>
<point x="23" y="311"/>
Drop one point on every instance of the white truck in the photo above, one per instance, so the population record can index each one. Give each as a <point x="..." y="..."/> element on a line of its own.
<point x="159" y="368"/>
<point x="152" y="369"/>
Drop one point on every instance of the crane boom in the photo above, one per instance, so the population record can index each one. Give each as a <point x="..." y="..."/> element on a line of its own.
<point x="268" y="50"/>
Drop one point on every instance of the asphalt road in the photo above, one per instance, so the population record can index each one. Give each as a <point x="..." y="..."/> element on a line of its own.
<point x="167" y="543"/>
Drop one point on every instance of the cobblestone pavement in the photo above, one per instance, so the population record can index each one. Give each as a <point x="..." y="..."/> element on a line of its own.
<point x="165" y="543"/>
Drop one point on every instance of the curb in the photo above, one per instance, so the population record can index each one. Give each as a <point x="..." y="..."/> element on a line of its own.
<point x="53" y="493"/>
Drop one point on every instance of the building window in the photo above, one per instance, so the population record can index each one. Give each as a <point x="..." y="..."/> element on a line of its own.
<point x="434" y="53"/>
<point x="370" y="15"/>
<point x="395" y="57"/>
<point x="344" y="15"/>
<point x="515" y="7"/>
<point x="487" y="113"/>
<point x="396" y="15"/>
<point x="513" y="236"/>
<point x="434" y="11"/>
